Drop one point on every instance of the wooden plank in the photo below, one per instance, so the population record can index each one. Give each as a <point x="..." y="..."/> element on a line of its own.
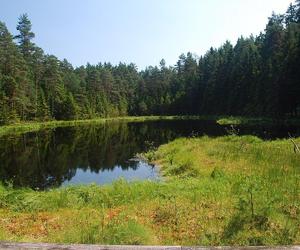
<point x="47" y="246"/>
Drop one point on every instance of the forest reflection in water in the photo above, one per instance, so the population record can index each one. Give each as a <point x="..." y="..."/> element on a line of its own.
<point x="98" y="153"/>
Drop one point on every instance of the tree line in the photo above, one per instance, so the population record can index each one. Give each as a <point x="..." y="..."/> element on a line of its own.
<point x="258" y="76"/>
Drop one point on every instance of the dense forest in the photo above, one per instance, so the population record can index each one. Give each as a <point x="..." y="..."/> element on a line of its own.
<point x="258" y="76"/>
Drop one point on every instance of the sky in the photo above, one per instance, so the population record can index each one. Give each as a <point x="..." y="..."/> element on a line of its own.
<point x="138" y="31"/>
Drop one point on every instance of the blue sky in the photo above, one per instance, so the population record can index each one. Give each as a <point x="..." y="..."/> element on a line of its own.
<point x="139" y="31"/>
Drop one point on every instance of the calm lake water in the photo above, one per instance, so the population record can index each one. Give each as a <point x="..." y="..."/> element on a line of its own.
<point x="101" y="153"/>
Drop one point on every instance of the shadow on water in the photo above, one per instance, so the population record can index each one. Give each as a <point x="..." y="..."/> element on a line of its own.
<point x="101" y="153"/>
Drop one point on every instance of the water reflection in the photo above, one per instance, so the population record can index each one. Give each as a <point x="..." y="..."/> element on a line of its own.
<point x="141" y="170"/>
<point x="101" y="153"/>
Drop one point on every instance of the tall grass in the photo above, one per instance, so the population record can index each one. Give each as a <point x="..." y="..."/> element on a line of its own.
<point x="227" y="190"/>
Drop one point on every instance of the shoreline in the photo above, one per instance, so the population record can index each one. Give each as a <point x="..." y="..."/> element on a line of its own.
<point x="33" y="126"/>
<point x="25" y="127"/>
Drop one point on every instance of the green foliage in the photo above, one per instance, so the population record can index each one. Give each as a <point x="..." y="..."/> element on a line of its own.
<point x="25" y="36"/>
<point x="42" y="112"/>
<point x="217" y="173"/>
<point x="70" y="108"/>
<point x="258" y="76"/>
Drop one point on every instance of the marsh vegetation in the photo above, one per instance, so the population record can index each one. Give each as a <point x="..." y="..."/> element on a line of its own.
<point x="216" y="190"/>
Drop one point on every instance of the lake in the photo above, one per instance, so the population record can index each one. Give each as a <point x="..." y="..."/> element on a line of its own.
<point x="102" y="153"/>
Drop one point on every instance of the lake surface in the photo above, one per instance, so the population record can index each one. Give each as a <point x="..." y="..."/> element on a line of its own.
<point x="102" y="153"/>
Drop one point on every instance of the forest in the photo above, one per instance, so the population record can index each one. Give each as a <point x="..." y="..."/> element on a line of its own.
<point x="258" y="76"/>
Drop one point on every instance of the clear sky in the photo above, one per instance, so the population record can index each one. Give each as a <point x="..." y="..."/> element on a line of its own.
<point x="139" y="31"/>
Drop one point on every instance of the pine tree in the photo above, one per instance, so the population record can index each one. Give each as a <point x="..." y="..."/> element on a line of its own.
<point x="273" y="57"/>
<point x="14" y="72"/>
<point x="291" y="14"/>
<point x="53" y="87"/>
<point x="43" y="112"/>
<point x="297" y="11"/>
<point x="25" y="36"/>
<point x="70" y="108"/>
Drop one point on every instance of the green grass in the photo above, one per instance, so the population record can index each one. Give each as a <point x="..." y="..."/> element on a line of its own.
<point x="238" y="120"/>
<point x="25" y="127"/>
<point x="231" y="190"/>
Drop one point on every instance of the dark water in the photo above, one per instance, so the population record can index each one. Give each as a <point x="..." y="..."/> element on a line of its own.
<point x="102" y="153"/>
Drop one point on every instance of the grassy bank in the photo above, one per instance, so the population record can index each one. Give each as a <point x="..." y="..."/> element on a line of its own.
<point x="19" y="128"/>
<point x="35" y="126"/>
<point x="224" y="191"/>
<point x="235" y="120"/>
<point x="238" y="120"/>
